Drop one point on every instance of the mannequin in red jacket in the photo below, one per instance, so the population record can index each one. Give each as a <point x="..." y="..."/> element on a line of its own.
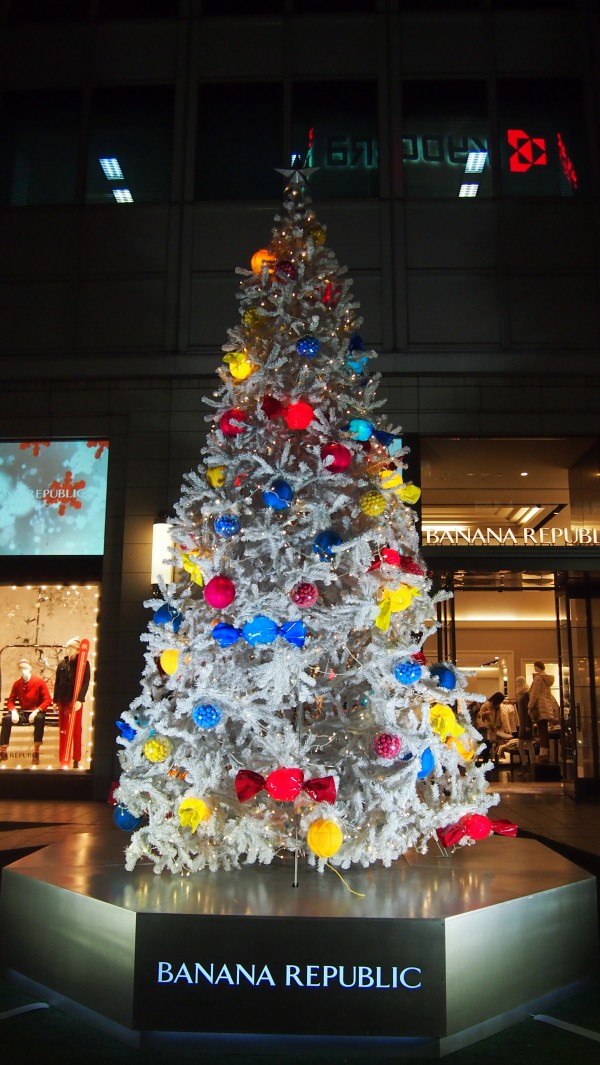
<point x="33" y="697"/>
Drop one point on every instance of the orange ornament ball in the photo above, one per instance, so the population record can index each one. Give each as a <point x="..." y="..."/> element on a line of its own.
<point x="261" y="258"/>
<point x="324" y="838"/>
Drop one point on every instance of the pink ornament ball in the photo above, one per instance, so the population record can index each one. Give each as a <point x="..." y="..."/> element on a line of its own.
<point x="342" y="457"/>
<point x="219" y="592"/>
<point x="229" y="418"/>
<point x="285" y="270"/>
<point x="386" y="745"/>
<point x="304" y="594"/>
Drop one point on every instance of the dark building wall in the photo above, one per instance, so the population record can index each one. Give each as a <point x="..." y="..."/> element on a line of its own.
<point x="485" y="312"/>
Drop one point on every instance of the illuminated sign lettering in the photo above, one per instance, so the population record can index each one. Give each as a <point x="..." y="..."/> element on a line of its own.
<point x="528" y="151"/>
<point x="580" y="537"/>
<point x="351" y="151"/>
<point x="448" y="149"/>
<point x="565" y="162"/>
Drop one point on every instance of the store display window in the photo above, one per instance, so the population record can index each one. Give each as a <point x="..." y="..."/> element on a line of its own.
<point x="47" y="668"/>
<point x="334" y="128"/>
<point x="446" y="139"/>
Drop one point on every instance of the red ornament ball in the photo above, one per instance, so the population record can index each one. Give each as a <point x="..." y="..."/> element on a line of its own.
<point x="219" y="592"/>
<point x="285" y="270"/>
<point x="342" y="457"/>
<point x="304" y="594"/>
<point x="285" y="784"/>
<point x="386" y="745"/>
<point x="477" y="826"/>
<point x="229" y="418"/>
<point x="299" y="415"/>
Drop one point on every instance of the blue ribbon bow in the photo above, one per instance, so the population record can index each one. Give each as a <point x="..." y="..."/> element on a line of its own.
<point x="260" y="630"/>
<point x="359" y="428"/>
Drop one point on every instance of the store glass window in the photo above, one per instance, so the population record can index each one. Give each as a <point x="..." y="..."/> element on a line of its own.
<point x="542" y="138"/>
<point x="239" y="141"/>
<point x="41" y="143"/>
<point x="47" y="643"/>
<point x="130" y="145"/>
<point x="446" y="139"/>
<point x="334" y="128"/>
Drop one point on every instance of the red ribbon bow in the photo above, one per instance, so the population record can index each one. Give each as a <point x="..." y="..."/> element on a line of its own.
<point x="285" y="785"/>
<point x="474" y="826"/>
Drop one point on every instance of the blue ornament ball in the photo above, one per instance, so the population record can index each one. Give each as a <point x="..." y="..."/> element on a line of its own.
<point x="125" y="820"/>
<point x="227" y="525"/>
<point x="308" y="346"/>
<point x="167" y="613"/>
<point x="360" y="429"/>
<point x="407" y="671"/>
<point x="444" y="674"/>
<point x="206" y="716"/>
<point x="324" y="543"/>
<point x="427" y="764"/>
<point x="278" y="496"/>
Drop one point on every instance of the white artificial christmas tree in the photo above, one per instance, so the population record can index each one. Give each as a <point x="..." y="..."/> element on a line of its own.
<point x="286" y="704"/>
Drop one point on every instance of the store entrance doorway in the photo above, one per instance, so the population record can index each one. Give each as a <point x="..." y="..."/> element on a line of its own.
<point x="497" y="625"/>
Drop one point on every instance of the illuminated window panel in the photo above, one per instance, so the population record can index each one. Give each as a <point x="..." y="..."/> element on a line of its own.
<point x="334" y="128"/>
<point x="445" y="139"/>
<point x="542" y="140"/>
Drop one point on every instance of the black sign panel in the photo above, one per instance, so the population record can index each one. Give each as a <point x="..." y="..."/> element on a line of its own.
<point x="290" y="975"/>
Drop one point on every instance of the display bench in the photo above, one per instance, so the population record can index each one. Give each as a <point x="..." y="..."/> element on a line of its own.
<point x="436" y="953"/>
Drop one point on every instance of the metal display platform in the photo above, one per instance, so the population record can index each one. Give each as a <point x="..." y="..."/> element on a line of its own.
<point x="439" y="950"/>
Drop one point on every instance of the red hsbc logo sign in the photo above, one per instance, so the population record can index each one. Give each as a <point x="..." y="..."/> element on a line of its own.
<point x="528" y="151"/>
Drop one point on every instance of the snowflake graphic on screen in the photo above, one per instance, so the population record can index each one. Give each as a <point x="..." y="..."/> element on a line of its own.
<point x="35" y="444"/>
<point x="100" y="445"/>
<point x="65" y="494"/>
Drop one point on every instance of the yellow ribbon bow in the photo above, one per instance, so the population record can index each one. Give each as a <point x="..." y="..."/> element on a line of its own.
<point x="444" y="722"/>
<point x="191" y="566"/>
<point x="392" y="602"/>
<point x="467" y="753"/>
<point x="215" y="475"/>
<point x="191" y="812"/>
<point x="240" y="366"/>
<point x="391" y="481"/>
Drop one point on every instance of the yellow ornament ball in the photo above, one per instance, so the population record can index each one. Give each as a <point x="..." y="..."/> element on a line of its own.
<point x="157" y="749"/>
<point x="372" y="503"/>
<point x="318" y="235"/>
<point x="169" y="660"/>
<point x="215" y="475"/>
<point x="324" y="838"/>
<point x="192" y="812"/>
<point x="261" y="258"/>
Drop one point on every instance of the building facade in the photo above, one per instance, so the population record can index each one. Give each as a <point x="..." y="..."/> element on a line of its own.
<point x="458" y="176"/>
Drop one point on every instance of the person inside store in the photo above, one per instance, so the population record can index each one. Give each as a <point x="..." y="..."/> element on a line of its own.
<point x="491" y="724"/>
<point x="64" y="692"/>
<point x="33" y="698"/>
<point x="525" y="735"/>
<point x="543" y="707"/>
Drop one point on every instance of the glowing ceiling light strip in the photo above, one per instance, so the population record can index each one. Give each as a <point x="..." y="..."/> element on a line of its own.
<point x="111" y="169"/>
<point x="475" y="162"/>
<point x="468" y="190"/>
<point x="122" y="195"/>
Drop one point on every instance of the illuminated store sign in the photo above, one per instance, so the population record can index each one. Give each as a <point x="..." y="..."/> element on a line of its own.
<point x="580" y="537"/>
<point x="53" y="497"/>
<point x="449" y="149"/>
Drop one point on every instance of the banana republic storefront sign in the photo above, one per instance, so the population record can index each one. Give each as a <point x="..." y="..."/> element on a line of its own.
<point x="574" y="537"/>
<point x="327" y="976"/>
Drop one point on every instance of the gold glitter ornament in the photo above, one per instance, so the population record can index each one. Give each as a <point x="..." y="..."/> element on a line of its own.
<point x="251" y="317"/>
<point x="318" y="235"/>
<point x="372" y="503"/>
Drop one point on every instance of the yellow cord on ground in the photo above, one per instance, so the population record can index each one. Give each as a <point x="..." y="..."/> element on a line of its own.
<point x="333" y="870"/>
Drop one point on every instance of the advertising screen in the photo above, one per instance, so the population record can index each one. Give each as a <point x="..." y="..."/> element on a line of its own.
<point x="52" y="497"/>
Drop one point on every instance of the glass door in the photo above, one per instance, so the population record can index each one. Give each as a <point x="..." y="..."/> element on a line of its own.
<point x="578" y="621"/>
